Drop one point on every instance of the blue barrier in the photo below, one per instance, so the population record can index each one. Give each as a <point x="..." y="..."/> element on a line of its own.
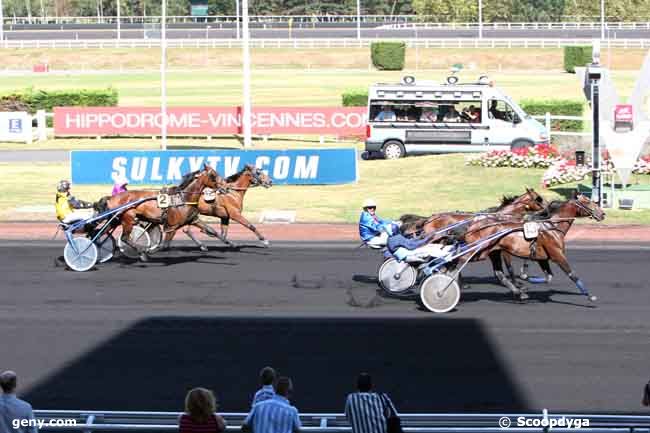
<point x="294" y="167"/>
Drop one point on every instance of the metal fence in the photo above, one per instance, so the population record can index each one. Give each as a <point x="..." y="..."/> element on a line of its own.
<point x="430" y="20"/>
<point x="319" y="43"/>
<point x="90" y="421"/>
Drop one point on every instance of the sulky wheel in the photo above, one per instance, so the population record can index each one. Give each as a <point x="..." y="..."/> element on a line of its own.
<point x="140" y="238"/>
<point x="439" y="293"/>
<point x="155" y="234"/>
<point x="80" y="254"/>
<point x="105" y="248"/>
<point x="396" y="278"/>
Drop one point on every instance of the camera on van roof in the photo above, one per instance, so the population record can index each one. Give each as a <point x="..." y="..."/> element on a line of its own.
<point x="409" y="80"/>
<point x="452" y="79"/>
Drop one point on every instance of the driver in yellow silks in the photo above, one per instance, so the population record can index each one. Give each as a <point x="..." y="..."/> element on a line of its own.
<point x="68" y="208"/>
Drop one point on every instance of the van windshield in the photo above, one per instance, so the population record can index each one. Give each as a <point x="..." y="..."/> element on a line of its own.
<point x="426" y="111"/>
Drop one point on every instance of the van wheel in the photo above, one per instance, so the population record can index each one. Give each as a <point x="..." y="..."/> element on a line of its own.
<point x="521" y="144"/>
<point x="393" y="150"/>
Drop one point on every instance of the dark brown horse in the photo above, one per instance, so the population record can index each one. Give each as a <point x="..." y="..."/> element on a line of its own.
<point x="171" y="218"/>
<point x="553" y="222"/>
<point x="229" y="204"/>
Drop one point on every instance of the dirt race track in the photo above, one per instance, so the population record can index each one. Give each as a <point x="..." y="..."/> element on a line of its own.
<point x="132" y="336"/>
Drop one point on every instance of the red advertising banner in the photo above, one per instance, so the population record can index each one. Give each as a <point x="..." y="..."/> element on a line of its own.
<point x="111" y="121"/>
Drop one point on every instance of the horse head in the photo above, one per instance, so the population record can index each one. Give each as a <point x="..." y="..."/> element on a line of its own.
<point x="259" y="177"/>
<point x="535" y="201"/>
<point x="209" y="177"/>
<point x="585" y="207"/>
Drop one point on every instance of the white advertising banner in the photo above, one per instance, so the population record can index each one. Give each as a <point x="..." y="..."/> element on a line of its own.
<point x="16" y="126"/>
<point x="624" y="147"/>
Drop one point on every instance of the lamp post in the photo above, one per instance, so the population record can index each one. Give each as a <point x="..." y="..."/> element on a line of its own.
<point x="602" y="19"/>
<point x="2" y="23"/>
<point x="246" y="118"/>
<point x="594" y="75"/>
<point x="480" y="19"/>
<point x="119" y="36"/>
<point x="163" y="76"/>
<point x="237" y="22"/>
<point x="207" y="30"/>
<point x="358" y="19"/>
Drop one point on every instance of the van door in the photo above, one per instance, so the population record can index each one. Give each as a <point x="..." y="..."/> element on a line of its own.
<point x="501" y="120"/>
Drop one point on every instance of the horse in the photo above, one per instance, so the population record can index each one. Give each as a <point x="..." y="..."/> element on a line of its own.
<point x="554" y="222"/>
<point x="512" y="208"/>
<point x="171" y="218"/>
<point x="229" y="205"/>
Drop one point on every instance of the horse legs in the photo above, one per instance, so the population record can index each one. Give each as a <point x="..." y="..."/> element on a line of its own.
<point x="557" y="255"/>
<point x="495" y="258"/>
<point x="167" y="239"/>
<point x="507" y="259"/>
<point x="243" y="221"/>
<point x="198" y="243"/>
<point x="128" y="221"/>
<point x="205" y="228"/>
<point x="225" y="224"/>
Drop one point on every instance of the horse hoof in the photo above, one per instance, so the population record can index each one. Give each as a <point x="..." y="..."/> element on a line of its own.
<point x="593" y="298"/>
<point x="523" y="276"/>
<point x="203" y="248"/>
<point x="144" y="258"/>
<point x="523" y="296"/>
<point x="266" y="243"/>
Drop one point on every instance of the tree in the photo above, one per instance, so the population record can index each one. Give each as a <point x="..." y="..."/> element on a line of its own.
<point x="447" y="10"/>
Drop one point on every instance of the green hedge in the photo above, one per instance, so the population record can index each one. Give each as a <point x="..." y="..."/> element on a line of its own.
<point x="558" y="107"/>
<point x="355" y="98"/>
<point x="35" y="100"/>
<point x="388" y="56"/>
<point x="576" y="56"/>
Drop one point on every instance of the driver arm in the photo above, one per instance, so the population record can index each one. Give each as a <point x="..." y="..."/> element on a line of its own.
<point x="79" y="204"/>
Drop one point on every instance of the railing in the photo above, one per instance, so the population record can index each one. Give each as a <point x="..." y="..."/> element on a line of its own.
<point x="89" y="421"/>
<point x="522" y="26"/>
<point x="319" y="43"/>
<point x="548" y="117"/>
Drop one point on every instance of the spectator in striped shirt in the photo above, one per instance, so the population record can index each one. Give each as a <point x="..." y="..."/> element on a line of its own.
<point x="365" y="410"/>
<point x="274" y="415"/>
<point x="267" y="377"/>
<point x="200" y="416"/>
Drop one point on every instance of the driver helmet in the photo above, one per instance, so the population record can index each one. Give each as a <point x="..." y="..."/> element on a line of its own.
<point x="121" y="181"/>
<point x="369" y="203"/>
<point x="63" y="186"/>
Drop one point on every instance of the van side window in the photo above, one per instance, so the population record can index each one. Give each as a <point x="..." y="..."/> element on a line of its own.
<point x="500" y="110"/>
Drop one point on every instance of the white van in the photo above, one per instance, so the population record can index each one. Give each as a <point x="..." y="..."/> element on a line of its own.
<point x="424" y="117"/>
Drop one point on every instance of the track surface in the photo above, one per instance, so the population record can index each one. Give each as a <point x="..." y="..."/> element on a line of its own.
<point x="136" y="336"/>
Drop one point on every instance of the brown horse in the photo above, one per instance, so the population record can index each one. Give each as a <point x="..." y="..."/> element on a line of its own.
<point x="229" y="204"/>
<point x="553" y="222"/>
<point x="171" y="218"/>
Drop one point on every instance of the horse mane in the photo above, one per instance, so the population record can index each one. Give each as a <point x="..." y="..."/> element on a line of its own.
<point x="549" y="210"/>
<point x="234" y="177"/>
<point x="508" y="199"/>
<point x="409" y="217"/>
<point x="187" y="179"/>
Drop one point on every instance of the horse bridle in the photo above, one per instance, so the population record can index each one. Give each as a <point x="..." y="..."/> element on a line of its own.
<point x="590" y="212"/>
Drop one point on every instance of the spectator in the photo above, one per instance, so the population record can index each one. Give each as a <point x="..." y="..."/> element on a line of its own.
<point x="267" y="377"/>
<point x="365" y="410"/>
<point x="429" y="115"/>
<point x="646" y="394"/>
<point x="386" y="115"/>
<point x="13" y="409"/>
<point x="275" y="415"/>
<point x="200" y="416"/>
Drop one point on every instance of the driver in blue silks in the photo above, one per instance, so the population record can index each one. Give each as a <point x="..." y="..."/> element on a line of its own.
<point x="373" y="230"/>
<point x="407" y="247"/>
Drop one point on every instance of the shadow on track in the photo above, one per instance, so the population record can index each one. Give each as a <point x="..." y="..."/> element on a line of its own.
<point x="431" y="364"/>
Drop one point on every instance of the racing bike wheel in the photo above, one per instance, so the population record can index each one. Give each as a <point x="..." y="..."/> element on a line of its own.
<point x="105" y="248"/>
<point x="439" y="293"/>
<point x="140" y="238"/>
<point x="80" y="254"/>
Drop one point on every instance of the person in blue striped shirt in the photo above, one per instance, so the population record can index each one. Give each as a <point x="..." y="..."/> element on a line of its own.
<point x="267" y="377"/>
<point x="275" y="415"/>
<point x="365" y="410"/>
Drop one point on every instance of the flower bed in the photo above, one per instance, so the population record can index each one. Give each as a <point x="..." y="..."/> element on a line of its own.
<point x="566" y="171"/>
<point x="540" y="156"/>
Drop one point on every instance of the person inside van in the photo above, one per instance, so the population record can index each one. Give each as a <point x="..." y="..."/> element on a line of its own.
<point x="429" y="115"/>
<point x="386" y="115"/>
<point x="495" y="112"/>
<point x="452" y="115"/>
<point x="475" y="114"/>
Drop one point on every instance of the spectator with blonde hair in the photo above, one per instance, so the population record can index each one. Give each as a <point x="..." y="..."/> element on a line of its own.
<point x="200" y="416"/>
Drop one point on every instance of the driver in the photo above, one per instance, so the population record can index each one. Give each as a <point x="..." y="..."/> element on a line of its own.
<point x="120" y="185"/>
<point x="68" y="208"/>
<point x="405" y="247"/>
<point x="373" y="230"/>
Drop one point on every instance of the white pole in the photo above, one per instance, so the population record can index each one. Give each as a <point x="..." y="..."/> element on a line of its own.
<point x="246" y="119"/>
<point x="237" y="22"/>
<point x="118" y="21"/>
<point x="358" y="19"/>
<point x="2" y="23"/>
<point x="163" y="75"/>
<point x="480" y="19"/>
<point x="602" y="20"/>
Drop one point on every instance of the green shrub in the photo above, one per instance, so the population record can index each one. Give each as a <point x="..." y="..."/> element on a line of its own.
<point x="388" y="56"/>
<point x="355" y="98"/>
<point x="34" y="100"/>
<point x="576" y="56"/>
<point x="558" y="107"/>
